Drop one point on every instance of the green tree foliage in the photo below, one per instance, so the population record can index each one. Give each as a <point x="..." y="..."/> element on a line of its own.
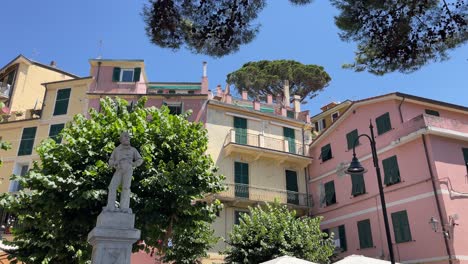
<point x="267" y="77"/>
<point x="68" y="188"/>
<point x="401" y="35"/>
<point x="392" y="35"/>
<point x="274" y="231"/>
<point x="4" y="146"/>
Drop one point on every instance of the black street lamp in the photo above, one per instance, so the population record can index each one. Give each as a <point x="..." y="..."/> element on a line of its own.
<point x="355" y="167"/>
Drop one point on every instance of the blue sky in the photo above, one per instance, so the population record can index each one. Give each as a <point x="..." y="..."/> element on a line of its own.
<point x="69" y="32"/>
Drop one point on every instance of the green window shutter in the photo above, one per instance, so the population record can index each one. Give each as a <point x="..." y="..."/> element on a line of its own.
<point x="11" y="77"/>
<point x="391" y="171"/>
<point x="54" y="132"/>
<point x="291" y="187"/>
<point x="330" y="196"/>
<point x="383" y="123"/>
<point x="289" y="135"/>
<point x="136" y="74"/>
<point x="365" y="234"/>
<point x="326" y="152"/>
<point x="61" y="102"/>
<point x="116" y="74"/>
<point x="401" y="227"/>
<point x="240" y="127"/>
<point x="27" y="141"/>
<point x="241" y="178"/>
<point x="465" y="156"/>
<point x="342" y="235"/>
<point x="290" y="114"/>
<point x="359" y="186"/>
<point x="351" y="137"/>
<point x="432" y="112"/>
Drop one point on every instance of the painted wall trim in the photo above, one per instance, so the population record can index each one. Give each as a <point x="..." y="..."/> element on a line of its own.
<point x="425" y="260"/>
<point x="243" y="116"/>
<point x="391" y="204"/>
<point x="284" y="125"/>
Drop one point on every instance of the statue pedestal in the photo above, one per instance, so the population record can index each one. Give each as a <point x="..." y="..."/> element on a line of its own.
<point x="112" y="238"/>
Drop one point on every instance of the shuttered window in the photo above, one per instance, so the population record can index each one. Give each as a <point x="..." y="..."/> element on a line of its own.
<point x="359" y="187"/>
<point x="241" y="175"/>
<point x="27" y="141"/>
<point x="465" y="156"/>
<point x="351" y="138"/>
<point x="326" y="153"/>
<point x="330" y="196"/>
<point x="401" y="228"/>
<point x="383" y="123"/>
<point x="136" y="74"/>
<point x="291" y="138"/>
<point x="116" y="74"/>
<point x="240" y="127"/>
<point x="391" y="171"/>
<point x="365" y="234"/>
<point x="342" y="236"/>
<point x="61" y="102"/>
<point x="291" y="187"/>
<point x="238" y="215"/>
<point x="431" y="112"/>
<point x="54" y="132"/>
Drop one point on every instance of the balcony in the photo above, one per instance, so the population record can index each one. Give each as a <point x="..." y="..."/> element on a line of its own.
<point x="243" y="195"/>
<point x="4" y="91"/>
<point x="260" y="146"/>
<point x="434" y="123"/>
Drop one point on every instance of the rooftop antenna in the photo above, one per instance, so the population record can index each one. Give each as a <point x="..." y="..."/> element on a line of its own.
<point x="100" y="49"/>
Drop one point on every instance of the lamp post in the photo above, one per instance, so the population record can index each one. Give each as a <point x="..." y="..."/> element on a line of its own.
<point x="355" y="167"/>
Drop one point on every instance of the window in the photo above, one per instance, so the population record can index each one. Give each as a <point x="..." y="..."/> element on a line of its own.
<point x="431" y="112"/>
<point x="61" y="102"/>
<point x="465" y="156"/>
<point x="240" y="129"/>
<point x="241" y="177"/>
<point x="365" y="234"/>
<point x="27" y="141"/>
<point x="289" y="136"/>
<point x="335" y="116"/>
<point x="330" y="196"/>
<point x="291" y="187"/>
<point x="383" y="123"/>
<point x="54" y="132"/>
<point x="126" y="75"/>
<point x="339" y="237"/>
<point x="172" y="91"/>
<point x="160" y="91"/>
<point x="20" y="169"/>
<point x="238" y="215"/>
<point x="290" y="114"/>
<point x="359" y="187"/>
<point x="351" y="137"/>
<point x="391" y="171"/>
<point x="320" y="125"/>
<point x="191" y="92"/>
<point x="401" y="227"/>
<point x="326" y="153"/>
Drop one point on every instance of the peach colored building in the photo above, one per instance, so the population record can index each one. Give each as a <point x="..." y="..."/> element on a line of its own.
<point x="422" y="147"/>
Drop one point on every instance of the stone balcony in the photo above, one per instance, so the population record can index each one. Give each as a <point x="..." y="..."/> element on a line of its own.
<point x="261" y="146"/>
<point x="433" y="123"/>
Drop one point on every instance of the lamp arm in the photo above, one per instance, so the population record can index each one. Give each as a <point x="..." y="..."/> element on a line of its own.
<point x="357" y="139"/>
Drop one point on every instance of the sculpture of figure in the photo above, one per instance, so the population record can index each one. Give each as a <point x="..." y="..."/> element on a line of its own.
<point x="123" y="159"/>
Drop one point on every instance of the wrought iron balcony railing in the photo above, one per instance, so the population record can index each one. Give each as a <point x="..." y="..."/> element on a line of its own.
<point x="260" y="194"/>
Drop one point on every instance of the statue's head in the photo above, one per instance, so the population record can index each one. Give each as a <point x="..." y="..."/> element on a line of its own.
<point x="125" y="138"/>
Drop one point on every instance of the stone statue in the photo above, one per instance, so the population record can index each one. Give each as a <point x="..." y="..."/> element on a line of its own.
<point x="123" y="159"/>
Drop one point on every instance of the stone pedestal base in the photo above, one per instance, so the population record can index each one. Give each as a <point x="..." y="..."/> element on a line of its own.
<point x="112" y="238"/>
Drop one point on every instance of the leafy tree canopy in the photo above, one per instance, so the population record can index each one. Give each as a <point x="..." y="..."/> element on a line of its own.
<point x="267" y="77"/>
<point x="4" y="146"/>
<point x="66" y="191"/>
<point x="401" y="35"/>
<point x="392" y="35"/>
<point x="274" y="231"/>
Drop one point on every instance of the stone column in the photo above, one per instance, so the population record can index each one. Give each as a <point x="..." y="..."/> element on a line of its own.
<point x="112" y="238"/>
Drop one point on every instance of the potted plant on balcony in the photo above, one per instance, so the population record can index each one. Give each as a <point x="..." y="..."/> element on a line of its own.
<point x="19" y="113"/>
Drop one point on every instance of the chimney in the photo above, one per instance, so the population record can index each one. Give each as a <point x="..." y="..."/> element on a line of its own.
<point x="228" y="89"/>
<point x="297" y="103"/>
<point x="244" y="95"/>
<point x="269" y="99"/>
<point x="256" y="105"/>
<point x="53" y="64"/>
<point x="204" y="85"/>
<point x="286" y="93"/>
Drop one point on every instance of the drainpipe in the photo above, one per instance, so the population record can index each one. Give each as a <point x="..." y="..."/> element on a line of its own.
<point x="399" y="109"/>
<point x="439" y="210"/>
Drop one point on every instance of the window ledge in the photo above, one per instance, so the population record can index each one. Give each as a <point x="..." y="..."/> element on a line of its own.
<point x="404" y="242"/>
<point x="357" y="196"/>
<point x="366" y="248"/>
<point x="326" y="160"/>
<point x="378" y="135"/>
<point x="395" y="184"/>
<point x="330" y="205"/>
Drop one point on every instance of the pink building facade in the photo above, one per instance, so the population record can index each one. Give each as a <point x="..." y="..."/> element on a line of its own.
<point x="422" y="147"/>
<point x="127" y="79"/>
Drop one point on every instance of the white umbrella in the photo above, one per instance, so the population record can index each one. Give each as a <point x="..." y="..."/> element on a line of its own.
<point x="287" y="260"/>
<point x="358" y="259"/>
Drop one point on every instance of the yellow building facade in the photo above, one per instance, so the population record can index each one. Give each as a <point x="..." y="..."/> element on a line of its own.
<point x="263" y="154"/>
<point x="329" y="114"/>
